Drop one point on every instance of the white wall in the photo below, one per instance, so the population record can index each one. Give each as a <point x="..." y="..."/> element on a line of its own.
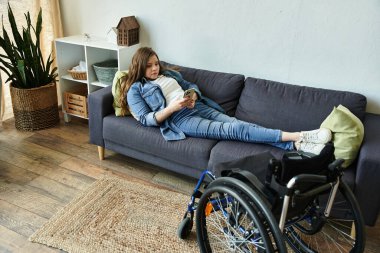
<point x="331" y="44"/>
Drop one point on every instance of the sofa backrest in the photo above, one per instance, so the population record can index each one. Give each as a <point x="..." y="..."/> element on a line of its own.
<point x="223" y="88"/>
<point x="292" y="107"/>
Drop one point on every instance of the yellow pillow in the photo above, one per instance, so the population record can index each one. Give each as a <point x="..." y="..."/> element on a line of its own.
<point x="348" y="133"/>
<point x="116" y="84"/>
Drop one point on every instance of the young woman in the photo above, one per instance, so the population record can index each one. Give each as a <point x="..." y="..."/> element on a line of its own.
<point x="155" y="97"/>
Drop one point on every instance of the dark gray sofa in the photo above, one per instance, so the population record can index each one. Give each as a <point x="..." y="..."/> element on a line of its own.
<point x="268" y="103"/>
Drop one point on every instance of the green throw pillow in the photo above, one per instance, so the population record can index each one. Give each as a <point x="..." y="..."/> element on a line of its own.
<point x="348" y="133"/>
<point x="116" y="92"/>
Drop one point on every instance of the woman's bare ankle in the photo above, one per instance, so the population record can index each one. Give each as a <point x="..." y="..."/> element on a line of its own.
<point x="291" y="136"/>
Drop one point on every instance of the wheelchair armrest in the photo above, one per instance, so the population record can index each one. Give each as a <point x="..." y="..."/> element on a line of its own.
<point x="336" y="165"/>
<point x="306" y="178"/>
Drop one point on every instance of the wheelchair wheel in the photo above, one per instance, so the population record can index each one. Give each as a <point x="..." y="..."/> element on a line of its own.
<point x="184" y="228"/>
<point x="342" y="231"/>
<point x="226" y="222"/>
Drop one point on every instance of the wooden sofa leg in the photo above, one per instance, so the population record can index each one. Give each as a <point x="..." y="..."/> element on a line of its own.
<point x="101" y="152"/>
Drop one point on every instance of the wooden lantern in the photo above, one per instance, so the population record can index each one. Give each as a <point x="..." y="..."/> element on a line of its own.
<point x="128" y="31"/>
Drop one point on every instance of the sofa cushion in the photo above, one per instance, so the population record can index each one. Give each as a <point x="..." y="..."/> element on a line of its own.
<point x="292" y="107"/>
<point x="223" y="88"/>
<point x="126" y="131"/>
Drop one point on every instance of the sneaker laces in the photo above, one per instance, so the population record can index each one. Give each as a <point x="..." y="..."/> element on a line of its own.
<point x="310" y="137"/>
<point x="316" y="136"/>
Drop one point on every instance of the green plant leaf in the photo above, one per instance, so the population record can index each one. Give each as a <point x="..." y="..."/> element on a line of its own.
<point x="23" y="59"/>
<point x="21" y="70"/>
<point x="9" y="61"/>
<point x="39" y="24"/>
<point x="16" y="34"/>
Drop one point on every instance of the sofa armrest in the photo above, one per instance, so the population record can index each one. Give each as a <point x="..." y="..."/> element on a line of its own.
<point x="367" y="183"/>
<point x="99" y="106"/>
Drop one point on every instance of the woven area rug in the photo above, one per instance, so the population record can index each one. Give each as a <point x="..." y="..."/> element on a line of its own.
<point x="119" y="215"/>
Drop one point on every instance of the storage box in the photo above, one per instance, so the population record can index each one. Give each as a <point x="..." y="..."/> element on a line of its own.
<point x="76" y="102"/>
<point x="105" y="71"/>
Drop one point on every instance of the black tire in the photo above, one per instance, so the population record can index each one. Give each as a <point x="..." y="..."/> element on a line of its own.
<point x="239" y="230"/>
<point x="185" y="227"/>
<point x="317" y="233"/>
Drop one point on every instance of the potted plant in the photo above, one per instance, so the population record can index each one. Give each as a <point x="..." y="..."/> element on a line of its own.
<point x="32" y="80"/>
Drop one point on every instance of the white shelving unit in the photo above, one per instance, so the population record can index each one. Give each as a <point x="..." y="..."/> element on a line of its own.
<point x="71" y="50"/>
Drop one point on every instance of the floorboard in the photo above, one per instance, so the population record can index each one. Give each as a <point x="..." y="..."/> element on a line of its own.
<point x="19" y="220"/>
<point x="11" y="241"/>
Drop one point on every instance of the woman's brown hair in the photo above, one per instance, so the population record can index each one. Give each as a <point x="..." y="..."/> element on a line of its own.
<point x="136" y="72"/>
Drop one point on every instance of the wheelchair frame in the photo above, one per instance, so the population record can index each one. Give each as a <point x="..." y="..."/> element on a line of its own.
<point x="330" y="182"/>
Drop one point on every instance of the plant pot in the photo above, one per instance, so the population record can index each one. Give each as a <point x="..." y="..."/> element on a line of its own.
<point x="35" y="108"/>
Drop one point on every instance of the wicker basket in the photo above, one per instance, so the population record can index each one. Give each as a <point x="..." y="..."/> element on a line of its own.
<point x="105" y="71"/>
<point x="35" y="108"/>
<point x="78" y="75"/>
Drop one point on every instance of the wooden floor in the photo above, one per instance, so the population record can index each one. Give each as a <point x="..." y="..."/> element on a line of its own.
<point x="40" y="172"/>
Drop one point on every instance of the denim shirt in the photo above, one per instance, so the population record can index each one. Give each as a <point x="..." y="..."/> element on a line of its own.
<point x="145" y="98"/>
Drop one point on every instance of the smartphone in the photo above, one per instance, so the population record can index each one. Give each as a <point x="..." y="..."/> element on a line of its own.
<point x="189" y="93"/>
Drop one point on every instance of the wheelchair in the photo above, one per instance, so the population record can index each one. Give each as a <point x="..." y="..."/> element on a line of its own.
<point x="278" y="208"/>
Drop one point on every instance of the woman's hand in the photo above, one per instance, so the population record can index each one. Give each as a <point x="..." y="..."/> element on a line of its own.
<point x="174" y="106"/>
<point x="191" y="101"/>
<point x="178" y="104"/>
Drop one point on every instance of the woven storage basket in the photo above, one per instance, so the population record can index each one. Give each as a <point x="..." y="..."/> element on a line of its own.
<point x="35" y="108"/>
<point x="105" y="71"/>
<point x="78" y="75"/>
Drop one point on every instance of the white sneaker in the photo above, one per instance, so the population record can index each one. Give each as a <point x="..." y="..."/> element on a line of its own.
<point x="309" y="147"/>
<point x="318" y="136"/>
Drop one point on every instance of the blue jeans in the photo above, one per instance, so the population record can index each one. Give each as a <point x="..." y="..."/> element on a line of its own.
<point x="206" y="122"/>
